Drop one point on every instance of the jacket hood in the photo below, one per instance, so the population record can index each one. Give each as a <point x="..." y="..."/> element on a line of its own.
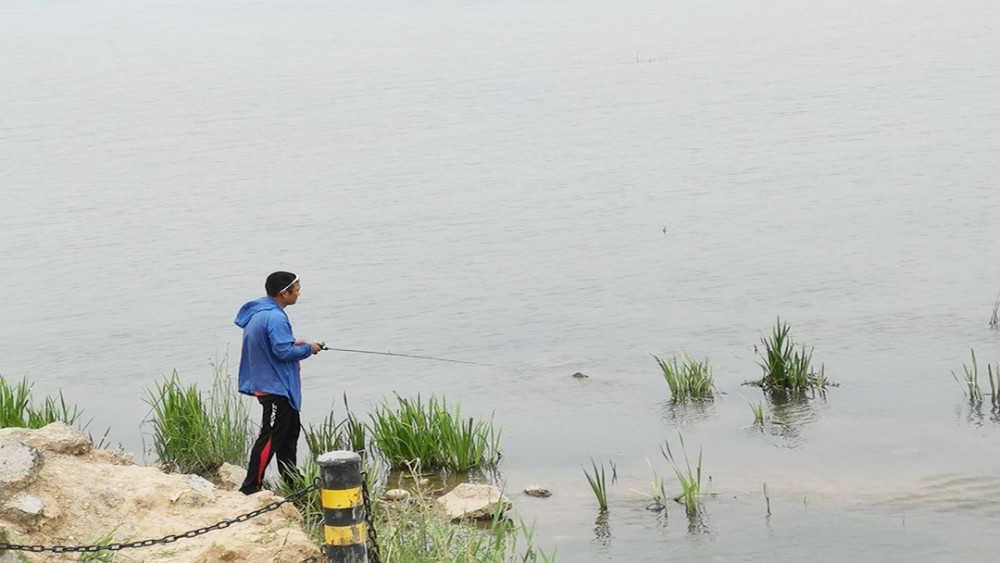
<point x="252" y="308"/>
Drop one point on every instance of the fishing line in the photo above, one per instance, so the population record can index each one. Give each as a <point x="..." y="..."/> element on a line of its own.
<point x="323" y="346"/>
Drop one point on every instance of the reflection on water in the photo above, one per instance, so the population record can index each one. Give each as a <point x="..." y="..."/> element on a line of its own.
<point x="698" y="522"/>
<point x="683" y="415"/>
<point x="602" y="532"/>
<point x="787" y="412"/>
<point x="974" y="413"/>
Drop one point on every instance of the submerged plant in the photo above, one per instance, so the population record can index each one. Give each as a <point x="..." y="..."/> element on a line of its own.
<point x="786" y="366"/>
<point x="688" y="478"/>
<point x="659" y="493"/>
<point x="970" y="381"/>
<point x="598" y="484"/>
<point x="994" y="376"/>
<point x="687" y="378"/>
<point x="16" y="409"/>
<point x="757" y="410"/>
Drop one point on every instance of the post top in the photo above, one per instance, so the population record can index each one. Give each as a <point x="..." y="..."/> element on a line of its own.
<point x="337" y="457"/>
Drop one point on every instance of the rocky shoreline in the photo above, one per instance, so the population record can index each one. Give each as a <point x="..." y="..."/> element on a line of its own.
<point x="56" y="489"/>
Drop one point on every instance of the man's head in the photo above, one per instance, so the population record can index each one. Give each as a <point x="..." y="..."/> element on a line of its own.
<point x="283" y="287"/>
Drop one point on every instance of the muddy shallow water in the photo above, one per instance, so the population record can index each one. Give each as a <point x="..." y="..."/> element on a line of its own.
<point x="552" y="188"/>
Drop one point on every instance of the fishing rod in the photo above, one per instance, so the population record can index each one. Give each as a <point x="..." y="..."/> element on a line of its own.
<point x="323" y="346"/>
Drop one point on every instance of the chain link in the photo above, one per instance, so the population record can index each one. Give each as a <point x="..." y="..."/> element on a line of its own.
<point x="165" y="539"/>
<point x="373" y="552"/>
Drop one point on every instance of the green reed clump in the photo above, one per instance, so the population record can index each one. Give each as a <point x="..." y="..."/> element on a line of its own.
<point x="598" y="484"/>
<point x="786" y="366"/>
<point x="689" y="479"/>
<point x="329" y="435"/>
<point x="17" y="410"/>
<point x="196" y="434"/>
<point x="687" y="378"/>
<point x="182" y="429"/>
<point x="431" y="436"/>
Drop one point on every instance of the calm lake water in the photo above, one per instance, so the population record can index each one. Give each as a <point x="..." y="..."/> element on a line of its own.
<point x="552" y="187"/>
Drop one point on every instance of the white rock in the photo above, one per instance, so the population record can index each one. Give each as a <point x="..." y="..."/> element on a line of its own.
<point x="199" y="483"/>
<point x="23" y="508"/>
<point x="472" y="501"/>
<point x="19" y="465"/>
<point x="229" y="477"/>
<point x="396" y="494"/>
<point x="57" y="437"/>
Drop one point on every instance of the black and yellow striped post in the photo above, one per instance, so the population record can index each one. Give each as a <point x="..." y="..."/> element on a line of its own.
<point x="344" y="527"/>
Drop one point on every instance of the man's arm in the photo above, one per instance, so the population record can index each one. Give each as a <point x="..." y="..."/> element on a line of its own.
<point x="283" y="344"/>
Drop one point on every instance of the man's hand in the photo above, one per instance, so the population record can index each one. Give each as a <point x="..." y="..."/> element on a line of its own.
<point x="316" y="346"/>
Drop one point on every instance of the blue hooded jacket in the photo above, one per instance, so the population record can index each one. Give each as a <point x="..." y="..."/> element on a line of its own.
<point x="270" y="359"/>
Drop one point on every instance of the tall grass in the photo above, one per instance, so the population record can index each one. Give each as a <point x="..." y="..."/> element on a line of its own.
<point x="229" y="413"/>
<point x="431" y="436"/>
<point x="17" y="410"/>
<point x="182" y="429"/>
<point x="687" y="378"/>
<point x="195" y="434"/>
<point x="688" y="478"/>
<point x="788" y="367"/>
<point x="329" y="435"/>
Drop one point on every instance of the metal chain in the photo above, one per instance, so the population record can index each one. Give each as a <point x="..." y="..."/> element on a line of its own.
<point x="165" y="539"/>
<point x="373" y="553"/>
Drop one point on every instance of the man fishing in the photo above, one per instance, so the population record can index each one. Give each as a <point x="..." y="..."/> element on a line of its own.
<point x="269" y="370"/>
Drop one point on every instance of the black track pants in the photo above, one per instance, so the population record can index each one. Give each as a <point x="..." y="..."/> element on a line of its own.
<point x="279" y="436"/>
